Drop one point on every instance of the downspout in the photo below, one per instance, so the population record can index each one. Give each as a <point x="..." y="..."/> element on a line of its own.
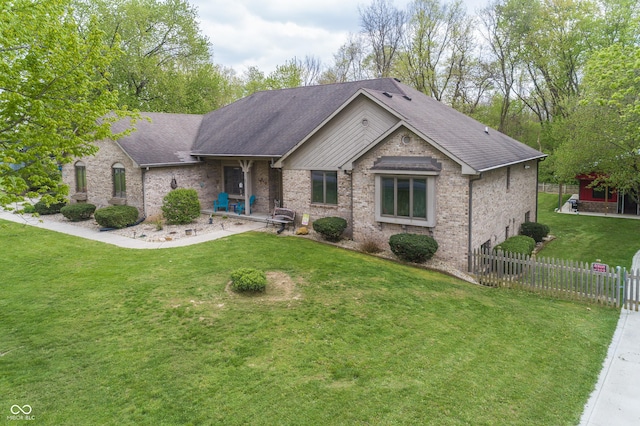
<point x="144" y="200"/>
<point x="350" y="174"/>
<point x="470" y="228"/>
<point x="538" y="183"/>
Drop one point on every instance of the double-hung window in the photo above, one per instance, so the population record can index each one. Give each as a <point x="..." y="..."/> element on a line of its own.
<point x="324" y="187"/>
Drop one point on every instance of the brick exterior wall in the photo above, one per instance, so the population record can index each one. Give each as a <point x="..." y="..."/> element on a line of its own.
<point x="206" y="178"/>
<point x="99" y="177"/>
<point x="494" y="207"/>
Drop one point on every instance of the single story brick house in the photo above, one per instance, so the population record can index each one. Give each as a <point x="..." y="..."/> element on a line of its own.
<point x="378" y="153"/>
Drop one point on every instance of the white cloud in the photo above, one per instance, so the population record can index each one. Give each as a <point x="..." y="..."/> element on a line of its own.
<point x="267" y="33"/>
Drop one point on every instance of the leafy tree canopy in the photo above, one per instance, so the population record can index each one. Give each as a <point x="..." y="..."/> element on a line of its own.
<point x="603" y="133"/>
<point x="53" y="97"/>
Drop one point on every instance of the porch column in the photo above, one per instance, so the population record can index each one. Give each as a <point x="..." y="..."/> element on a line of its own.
<point x="248" y="189"/>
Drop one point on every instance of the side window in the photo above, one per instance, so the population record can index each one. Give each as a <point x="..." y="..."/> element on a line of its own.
<point x="324" y="187"/>
<point x="119" y="182"/>
<point x="81" y="177"/>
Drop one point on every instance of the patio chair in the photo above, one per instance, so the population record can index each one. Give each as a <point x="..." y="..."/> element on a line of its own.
<point x="222" y="202"/>
<point x="241" y="207"/>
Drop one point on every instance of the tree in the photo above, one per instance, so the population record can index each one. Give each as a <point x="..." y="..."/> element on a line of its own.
<point x="603" y="133"/>
<point x="349" y="63"/>
<point x="164" y="53"/>
<point x="53" y="97"/>
<point x="383" y="25"/>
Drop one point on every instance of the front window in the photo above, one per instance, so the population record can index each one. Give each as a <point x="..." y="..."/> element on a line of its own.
<point x="119" y="182"/>
<point x="233" y="180"/>
<point x="405" y="199"/>
<point x="324" y="187"/>
<point x="81" y="177"/>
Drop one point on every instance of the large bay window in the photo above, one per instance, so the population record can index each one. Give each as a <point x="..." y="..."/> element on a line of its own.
<point x="405" y="190"/>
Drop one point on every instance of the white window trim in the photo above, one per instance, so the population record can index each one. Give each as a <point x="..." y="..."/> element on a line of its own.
<point x="430" y="221"/>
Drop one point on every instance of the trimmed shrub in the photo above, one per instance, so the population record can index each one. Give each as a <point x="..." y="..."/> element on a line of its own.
<point x="248" y="279"/>
<point x="78" y="212"/>
<point x="181" y="206"/>
<point x="331" y="228"/>
<point x="518" y="244"/>
<point x="413" y="247"/>
<point x="43" y="209"/>
<point x="535" y="230"/>
<point x="116" y="216"/>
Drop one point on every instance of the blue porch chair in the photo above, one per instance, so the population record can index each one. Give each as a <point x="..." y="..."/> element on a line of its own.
<point x="222" y="202"/>
<point x="240" y="207"/>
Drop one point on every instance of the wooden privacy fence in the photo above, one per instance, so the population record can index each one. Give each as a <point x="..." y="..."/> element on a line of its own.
<point x="594" y="283"/>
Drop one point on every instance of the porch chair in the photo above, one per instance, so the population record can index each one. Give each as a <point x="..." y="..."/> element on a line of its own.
<point x="222" y="202"/>
<point x="240" y="207"/>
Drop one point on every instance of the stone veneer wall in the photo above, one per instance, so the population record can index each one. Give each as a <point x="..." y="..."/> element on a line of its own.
<point x="495" y="207"/>
<point x="597" y="207"/>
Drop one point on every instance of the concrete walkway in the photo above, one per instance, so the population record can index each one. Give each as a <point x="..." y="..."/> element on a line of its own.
<point x="615" y="400"/>
<point x="119" y="240"/>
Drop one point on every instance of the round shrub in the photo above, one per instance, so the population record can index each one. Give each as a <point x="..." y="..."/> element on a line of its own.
<point x="43" y="209"/>
<point x="331" y="228"/>
<point x="535" y="230"/>
<point x="116" y="216"/>
<point x="248" y="279"/>
<point x="518" y="244"/>
<point x="78" y="212"/>
<point x="413" y="247"/>
<point x="181" y="206"/>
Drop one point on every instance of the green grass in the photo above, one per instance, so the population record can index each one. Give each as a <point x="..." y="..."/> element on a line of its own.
<point x="610" y="240"/>
<point x="95" y="334"/>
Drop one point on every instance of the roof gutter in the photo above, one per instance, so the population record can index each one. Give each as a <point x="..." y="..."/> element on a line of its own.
<point x="537" y="157"/>
<point x="156" y="165"/>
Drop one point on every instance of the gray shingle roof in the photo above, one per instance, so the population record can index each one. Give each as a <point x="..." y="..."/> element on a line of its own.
<point x="271" y="123"/>
<point x="160" y="139"/>
<point x="456" y="133"/>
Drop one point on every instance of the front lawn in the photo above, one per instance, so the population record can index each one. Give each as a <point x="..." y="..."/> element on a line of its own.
<point x="610" y="240"/>
<point x="95" y="334"/>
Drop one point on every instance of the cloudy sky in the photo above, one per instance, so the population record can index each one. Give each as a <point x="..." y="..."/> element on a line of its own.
<point x="267" y="33"/>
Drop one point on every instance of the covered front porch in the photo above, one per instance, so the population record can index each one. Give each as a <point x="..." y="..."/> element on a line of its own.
<point x="238" y="181"/>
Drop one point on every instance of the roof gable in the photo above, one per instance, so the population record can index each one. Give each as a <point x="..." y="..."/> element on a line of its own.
<point x="273" y="122"/>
